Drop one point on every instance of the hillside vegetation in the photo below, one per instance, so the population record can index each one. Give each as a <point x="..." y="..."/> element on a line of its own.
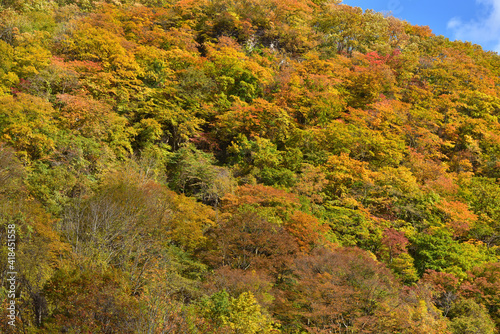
<point x="245" y="167"/>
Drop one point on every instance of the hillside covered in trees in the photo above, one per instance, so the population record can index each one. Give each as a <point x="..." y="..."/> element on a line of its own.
<point x="246" y="167"/>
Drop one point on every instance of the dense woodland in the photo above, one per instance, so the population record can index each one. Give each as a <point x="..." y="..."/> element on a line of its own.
<point x="246" y="167"/>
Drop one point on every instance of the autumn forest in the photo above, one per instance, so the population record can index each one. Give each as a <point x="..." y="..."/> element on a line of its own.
<point x="244" y="167"/>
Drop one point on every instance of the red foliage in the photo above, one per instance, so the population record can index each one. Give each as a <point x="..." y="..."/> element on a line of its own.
<point x="259" y="195"/>
<point x="248" y="242"/>
<point x="394" y="242"/>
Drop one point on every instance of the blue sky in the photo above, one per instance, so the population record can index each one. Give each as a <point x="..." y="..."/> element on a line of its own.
<point x="477" y="21"/>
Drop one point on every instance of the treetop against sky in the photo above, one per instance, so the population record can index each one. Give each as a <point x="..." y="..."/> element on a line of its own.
<point x="476" y="21"/>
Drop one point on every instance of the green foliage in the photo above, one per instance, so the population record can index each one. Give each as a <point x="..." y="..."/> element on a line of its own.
<point x="437" y="250"/>
<point x="468" y="317"/>
<point x="480" y="193"/>
<point x="235" y="79"/>
<point x="192" y="172"/>
<point x="353" y="228"/>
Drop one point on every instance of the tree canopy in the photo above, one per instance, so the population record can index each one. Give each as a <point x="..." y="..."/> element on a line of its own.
<point x="245" y="166"/>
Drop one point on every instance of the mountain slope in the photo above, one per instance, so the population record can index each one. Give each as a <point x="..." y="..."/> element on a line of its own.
<point x="246" y="167"/>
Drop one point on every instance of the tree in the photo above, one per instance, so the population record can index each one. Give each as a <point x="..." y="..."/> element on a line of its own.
<point x="32" y="236"/>
<point x="89" y="300"/>
<point x="469" y="317"/>
<point x="193" y="172"/>
<point x="436" y="250"/>
<point x="90" y="118"/>
<point x="348" y="29"/>
<point x="274" y="205"/>
<point x="482" y="285"/>
<point x="235" y="315"/>
<point x="260" y="119"/>
<point x="27" y="123"/>
<point x="248" y="242"/>
<point x="345" y="290"/>
<point x="235" y="79"/>
<point x="8" y="78"/>
<point x="393" y="251"/>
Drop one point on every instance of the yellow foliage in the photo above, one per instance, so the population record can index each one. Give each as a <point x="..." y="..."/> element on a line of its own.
<point x="246" y="316"/>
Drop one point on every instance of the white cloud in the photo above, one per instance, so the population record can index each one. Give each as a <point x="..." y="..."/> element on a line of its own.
<point x="485" y="30"/>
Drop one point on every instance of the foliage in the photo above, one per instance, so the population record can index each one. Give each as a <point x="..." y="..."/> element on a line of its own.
<point x="246" y="166"/>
